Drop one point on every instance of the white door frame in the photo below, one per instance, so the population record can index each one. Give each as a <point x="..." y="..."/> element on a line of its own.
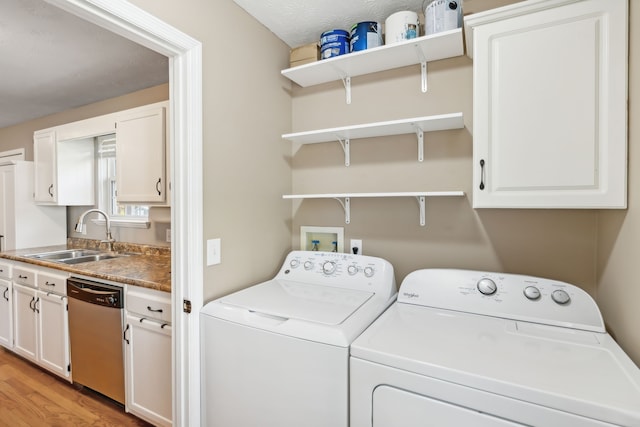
<point x="185" y="100"/>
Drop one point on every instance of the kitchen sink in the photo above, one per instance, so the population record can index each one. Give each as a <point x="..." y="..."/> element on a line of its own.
<point x="76" y="256"/>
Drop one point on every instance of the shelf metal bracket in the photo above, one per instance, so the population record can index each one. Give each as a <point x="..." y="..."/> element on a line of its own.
<point x="346" y="205"/>
<point x="420" y="135"/>
<point x="346" y="81"/>
<point x="421" y="204"/>
<point x="347" y="151"/>
<point x="423" y="67"/>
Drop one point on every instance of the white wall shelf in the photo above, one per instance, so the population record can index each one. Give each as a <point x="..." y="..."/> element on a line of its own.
<point x="420" y="50"/>
<point x="345" y="199"/>
<point x="345" y="134"/>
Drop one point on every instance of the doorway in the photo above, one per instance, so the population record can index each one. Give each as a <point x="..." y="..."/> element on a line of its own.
<point x="185" y="98"/>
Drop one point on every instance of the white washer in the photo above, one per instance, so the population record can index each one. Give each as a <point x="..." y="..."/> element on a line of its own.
<point x="277" y="353"/>
<point x="468" y="348"/>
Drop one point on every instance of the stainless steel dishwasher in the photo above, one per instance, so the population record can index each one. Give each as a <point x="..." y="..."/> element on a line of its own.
<point x="95" y="336"/>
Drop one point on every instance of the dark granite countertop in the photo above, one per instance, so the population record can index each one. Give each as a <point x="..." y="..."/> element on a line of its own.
<point x="147" y="266"/>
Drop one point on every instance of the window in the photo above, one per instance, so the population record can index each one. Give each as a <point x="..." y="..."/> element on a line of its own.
<point x="106" y="182"/>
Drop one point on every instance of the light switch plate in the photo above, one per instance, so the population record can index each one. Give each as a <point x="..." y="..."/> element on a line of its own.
<point x="213" y="252"/>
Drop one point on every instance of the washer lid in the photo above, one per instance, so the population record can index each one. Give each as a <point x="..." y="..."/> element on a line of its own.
<point x="294" y="300"/>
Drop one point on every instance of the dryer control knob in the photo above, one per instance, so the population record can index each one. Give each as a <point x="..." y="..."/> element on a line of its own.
<point x="560" y="296"/>
<point x="294" y="263"/>
<point x="531" y="292"/>
<point x="369" y="271"/>
<point x="487" y="286"/>
<point x="308" y="265"/>
<point x="352" y="269"/>
<point x="329" y="267"/>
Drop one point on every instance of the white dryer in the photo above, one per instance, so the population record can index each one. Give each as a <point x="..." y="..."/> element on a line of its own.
<point x="469" y="348"/>
<point x="277" y="354"/>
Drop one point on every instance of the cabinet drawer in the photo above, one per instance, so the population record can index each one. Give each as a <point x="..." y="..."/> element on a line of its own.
<point x="5" y="270"/>
<point x="53" y="283"/>
<point x="148" y="303"/>
<point x="24" y="276"/>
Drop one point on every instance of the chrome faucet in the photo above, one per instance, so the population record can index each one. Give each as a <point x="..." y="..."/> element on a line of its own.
<point x="80" y="225"/>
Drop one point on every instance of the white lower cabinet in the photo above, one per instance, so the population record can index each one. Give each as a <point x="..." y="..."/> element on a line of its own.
<point x="148" y="355"/>
<point x="53" y="335"/>
<point x="6" y="314"/>
<point x="40" y="319"/>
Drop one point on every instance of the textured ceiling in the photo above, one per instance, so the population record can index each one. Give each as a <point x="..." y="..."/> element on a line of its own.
<point x="51" y="61"/>
<point x="298" y="22"/>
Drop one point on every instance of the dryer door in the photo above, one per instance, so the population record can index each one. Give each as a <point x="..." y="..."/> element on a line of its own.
<point x="394" y="407"/>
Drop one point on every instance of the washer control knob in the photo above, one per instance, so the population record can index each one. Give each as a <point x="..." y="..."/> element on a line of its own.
<point x="294" y="263"/>
<point x="369" y="271"/>
<point x="531" y="292"/>
<point x="352" y="269"/>
<point x="329" y="267"/>
<point x="560" y="296"/>
<point x="487" y="286"/>
<point x="308" y="265"/>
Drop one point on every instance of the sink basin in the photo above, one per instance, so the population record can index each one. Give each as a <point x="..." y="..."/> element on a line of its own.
<point x="76" y="256"/>
<point x="90" y="258"/>
<point x="65" y="254"/>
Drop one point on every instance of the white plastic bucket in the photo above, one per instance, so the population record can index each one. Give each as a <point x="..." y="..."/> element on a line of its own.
<point x="442" y="15"/>
<point x="401" y="26"/>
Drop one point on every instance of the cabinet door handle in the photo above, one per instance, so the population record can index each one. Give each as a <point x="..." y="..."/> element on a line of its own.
<point x="47" y="283"/>
<point x="158" y="186"/>
<point x="154" y="310"/>
<point x="31" y="304"/>
<point x="51" y="190"/>
<point x="20" y="276"/>
<point x="35" y="305"/>
<point x="124" y="334"/>
<point x="482" y="174"/>
<point x="5" y="294"/>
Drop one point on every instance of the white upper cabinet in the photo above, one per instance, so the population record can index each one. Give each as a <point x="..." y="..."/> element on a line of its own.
<point x="44" y="152"/>
<point x="550" y="104"/>
<point x="141" y="155"/>
<point x="64" y="170"/>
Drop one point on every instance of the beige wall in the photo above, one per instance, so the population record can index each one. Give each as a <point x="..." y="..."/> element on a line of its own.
<point x="557" y="244"/>
<point x="618" y="291"/>
<point x="246" y="164"/>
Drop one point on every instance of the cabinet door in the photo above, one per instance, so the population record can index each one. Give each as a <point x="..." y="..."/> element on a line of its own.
<point x="6" y="315"/>
<point x="44" y="155"/>
<point x="148" y="370"/>
<point x="550" y="107"/>
<point x="53" y="332"/>
<point x="6" y="193"/>
<point x="25" y="321"/>
<point x="140" y="156"/>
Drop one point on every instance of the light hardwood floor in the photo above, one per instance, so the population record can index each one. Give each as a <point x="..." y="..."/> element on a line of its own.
<point x="30" y="396"/>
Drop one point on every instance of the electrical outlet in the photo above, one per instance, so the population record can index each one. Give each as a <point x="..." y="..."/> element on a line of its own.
<point x="356" y="246"/>
<point x="168" y="238"/>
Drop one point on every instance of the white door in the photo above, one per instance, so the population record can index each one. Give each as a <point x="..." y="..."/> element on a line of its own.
<point x="148" y="369"/>
<point x="550" y="107"/>
<point x="44" y="155"/>
<point x="25" y="321"/>
<point x="53" y="332"/>
<point x="5" y="204"/>
<point x="6" y="315"/>
<point x="140" y="156"/>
